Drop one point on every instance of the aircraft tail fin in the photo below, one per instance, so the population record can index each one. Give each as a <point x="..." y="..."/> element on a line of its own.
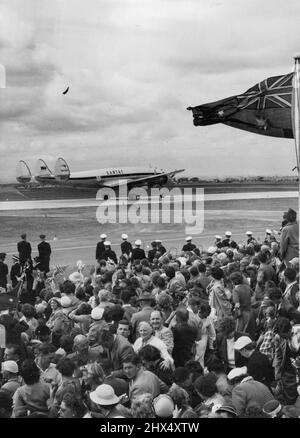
<point x="42" y="170"/>
<point x="23" y="174"/>
<point x="61" y="170"/>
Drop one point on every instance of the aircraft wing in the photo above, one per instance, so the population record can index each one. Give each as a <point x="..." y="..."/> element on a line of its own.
<point x="144" y="180"/>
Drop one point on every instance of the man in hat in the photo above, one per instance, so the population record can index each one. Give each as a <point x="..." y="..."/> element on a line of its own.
<point x="189" y="246"/>
<point x="227" y="240"/>
<point x="126" y="247"/>
<point x="97" y="326"/>
<point x="267" y="240"/>
<point x="24" y="249"/>
<point x="100" y="248"/>
<point x="247" y="392"/>
<point x="218" y="241"/>
<point x="15" y="271"/>
<point x="258" y="364"/>
<point x="145" y="300"/>
<point x="3" y="270"/>
<point x="289" y="239"/>
<point x="44" y="250"/>
<point x="109" y="253"/>
<point x="152" y="252"/>
<point x="250" y="238"/>
<point x="105" y="403"/>
<point x="138" y="253"/>
<point x="10" y="372"/>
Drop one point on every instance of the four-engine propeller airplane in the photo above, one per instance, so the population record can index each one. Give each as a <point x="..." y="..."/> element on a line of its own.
<point x="109" y="177"/>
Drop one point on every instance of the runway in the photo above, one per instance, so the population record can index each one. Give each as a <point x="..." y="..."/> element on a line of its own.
<point x="77" y="203"/>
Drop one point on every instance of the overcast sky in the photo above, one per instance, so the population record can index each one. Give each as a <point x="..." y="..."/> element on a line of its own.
<point x="133" y="66"/>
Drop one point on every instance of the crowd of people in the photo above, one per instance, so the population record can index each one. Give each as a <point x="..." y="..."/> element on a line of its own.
<point x="167" y="334"/>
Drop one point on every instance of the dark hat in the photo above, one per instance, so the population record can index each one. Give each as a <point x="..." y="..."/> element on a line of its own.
<point x="42" y="236"/>
<point x="227" y="408"/>
<point x="2" y="255"/>
<point x="145" y="296"/>
<point x="272" y="408"/>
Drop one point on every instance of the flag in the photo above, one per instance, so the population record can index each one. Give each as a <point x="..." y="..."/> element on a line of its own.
<point x="266" y="108"/>
<point x="8" y="301"/>
<point x="296" y="107"/>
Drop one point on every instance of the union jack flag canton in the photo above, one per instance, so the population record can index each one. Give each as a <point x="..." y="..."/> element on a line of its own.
<point x="275" y="92"/>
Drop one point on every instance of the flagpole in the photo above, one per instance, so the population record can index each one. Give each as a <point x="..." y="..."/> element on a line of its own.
<point x="296" y="123"/>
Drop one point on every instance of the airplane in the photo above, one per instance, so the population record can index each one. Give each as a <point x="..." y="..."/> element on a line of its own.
<point x="109" y="177"/>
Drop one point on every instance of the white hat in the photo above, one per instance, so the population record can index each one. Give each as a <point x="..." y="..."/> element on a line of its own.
<point x="11" y="366"/>
<point x="103" y="236"/>
<point x="97" y="313"/>
<point x="138" y="242"/>
<point x="188" y="238"/>
<point x="242" y="342"/>
<point x="268" y="231"/>
<point x="228" y="233"/>
<point x="218" y="237"/>
<point x="104" y="395"/>
<point x="211" y="250"/>
<point x="107" y="243"/>
<point x="236" y="372"/>
<point x="249" y="233"/>
<point x="124" y="236"/>
<point x="158" y="241"/>
<point x="65" y="301"/>
<point x="80" y="264"/>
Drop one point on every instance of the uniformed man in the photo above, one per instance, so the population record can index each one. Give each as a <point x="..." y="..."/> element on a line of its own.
<point x="44" y="250"/>
<point x="250" y="238"/>
<point x="100" y="248"/>
<point x="227" y="240"/>
<point x="138" y="253"/>
<point x="126" y="247"/>
<point x="189" y="246"/>
<point x="152" y="252"/>
<point x="3" y="270"/>
<point x="267" y="240"/>
<point x="24" y="249"/>
<point x="218" y="241"/>
<point x="109" y="253"/>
